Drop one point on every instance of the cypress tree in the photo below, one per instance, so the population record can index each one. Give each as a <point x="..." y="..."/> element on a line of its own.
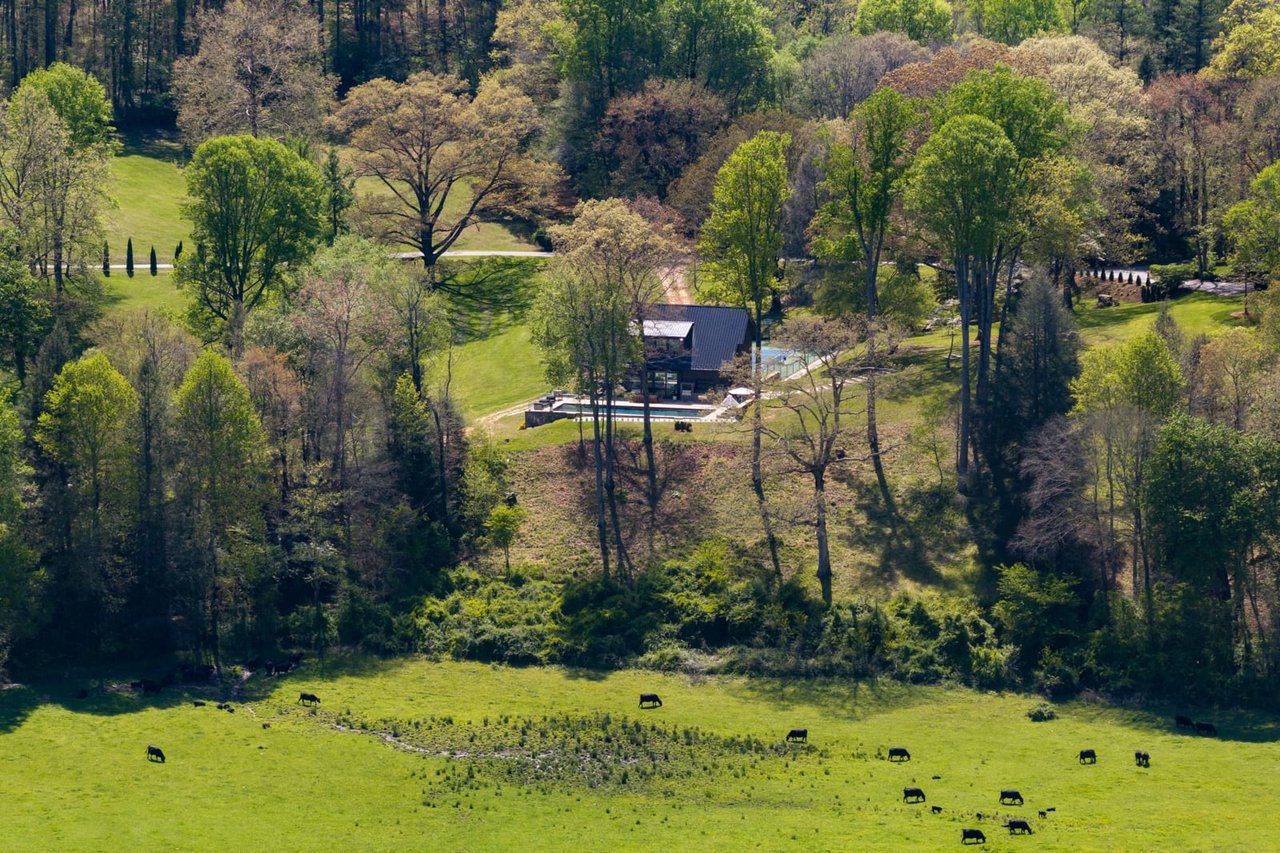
<point x="106" y="259"/>
<point x="177" y="251"/>
<point x="153" y="260"/>
<point x="128" y="258"/>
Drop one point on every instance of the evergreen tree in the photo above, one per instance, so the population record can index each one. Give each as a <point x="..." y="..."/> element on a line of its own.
<point x="128" y="258"/>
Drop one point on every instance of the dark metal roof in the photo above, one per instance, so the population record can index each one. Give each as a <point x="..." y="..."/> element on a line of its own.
<point x="718" y="333"/>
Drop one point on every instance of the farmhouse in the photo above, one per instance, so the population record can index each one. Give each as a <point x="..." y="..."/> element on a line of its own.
<point x="687" y="347"/>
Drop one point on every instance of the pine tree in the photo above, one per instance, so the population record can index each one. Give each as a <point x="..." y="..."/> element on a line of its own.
<point x="153" y="260"/>
<point x="128" y="258"/>
<point x="106" y="258"/>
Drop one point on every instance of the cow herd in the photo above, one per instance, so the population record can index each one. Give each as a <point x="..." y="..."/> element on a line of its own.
<point x="1008" y="796"/>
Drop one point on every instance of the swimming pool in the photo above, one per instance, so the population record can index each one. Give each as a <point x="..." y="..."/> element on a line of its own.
<point x="636" y="410"/>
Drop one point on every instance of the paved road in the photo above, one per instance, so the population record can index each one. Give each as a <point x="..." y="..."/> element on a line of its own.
<point x="141" y="268"/>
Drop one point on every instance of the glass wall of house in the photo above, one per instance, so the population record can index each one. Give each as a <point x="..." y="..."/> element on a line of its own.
<point x="664" y="383"/>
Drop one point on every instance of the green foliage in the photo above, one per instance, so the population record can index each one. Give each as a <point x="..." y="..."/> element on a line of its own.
<point x="1167" y="278"/>
<point x="1253" y="226"/>
<point x="1012" y="21"/>
<point x="724" y="45"/>
<point x="742" y="237"/>
<point x="1248" y="46"/>
<point x="256" y="207"/>
<point x="923" y="20"/>
<point x="1039" y="613"/>
<point x="1042" y="713"/>
<point x="78" y="99"/>
<point x="503" y="527"/>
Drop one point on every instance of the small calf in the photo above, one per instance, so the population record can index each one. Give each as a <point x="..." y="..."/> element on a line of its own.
<point x="1018" y="825"/>
<point x="308" y="699"/>
<point x="155" y="753"/>
<point x="1043" y="814"/>
<point x="197" y="703"/>
<point x="936" y="809"/>
<point x="222" y="706"/>
<point x="974" y="835"/>
<point x="266" y="725"/>
<point x="1088" y="756"/>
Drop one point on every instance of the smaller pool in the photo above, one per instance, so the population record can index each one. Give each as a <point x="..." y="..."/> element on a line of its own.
<point x="635" y="410"/>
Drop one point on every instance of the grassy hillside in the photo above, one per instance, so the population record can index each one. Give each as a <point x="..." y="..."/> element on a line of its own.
<point x="537" y="760"/>
<point x="149" y="189"/>
<point x="144" y="291"/>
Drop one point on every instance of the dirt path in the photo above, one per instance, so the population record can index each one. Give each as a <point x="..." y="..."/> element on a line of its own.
<point x="677" y="284"/>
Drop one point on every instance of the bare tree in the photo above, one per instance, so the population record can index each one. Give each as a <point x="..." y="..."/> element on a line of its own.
<point x="259" y="70"/>
<point x="814" y="416"/>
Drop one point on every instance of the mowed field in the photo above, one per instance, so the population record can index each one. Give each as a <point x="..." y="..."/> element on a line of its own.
<point x="553" y="759"/>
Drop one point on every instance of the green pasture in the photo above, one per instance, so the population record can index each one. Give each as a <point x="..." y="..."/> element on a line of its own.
<point x="367" y="770"/>
<point x="144" y="290"/>
<point x="148" y="188"/>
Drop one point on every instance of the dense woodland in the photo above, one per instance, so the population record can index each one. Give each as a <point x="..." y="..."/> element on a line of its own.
<point x="284" y="465"/>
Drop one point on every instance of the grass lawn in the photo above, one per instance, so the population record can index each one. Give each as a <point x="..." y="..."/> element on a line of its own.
<point x="498" y="371"/>
<point x="537" y="763"/>
<point x="149" y="189"/>
<point x="144" y="291"/>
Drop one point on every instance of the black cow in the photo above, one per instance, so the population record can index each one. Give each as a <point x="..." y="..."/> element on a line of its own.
<point x="798" y="736"/>
<point x="155" y="753"/>
<point x="1206" y="729"/>
<point x="1010" y="797"/>
<point x="936" y="809"/>
<point x="1043" y="814"/>
<point x="913" y="795"/>
<point x="308" y="699"/>
<point x="224" y="706"/>
<point x="1088" y="756"/>
<point x="1018" y="825"/>
<point x="197" y="703"/>
<point x="975" y="835"/>
<point x="1142" y="759"/>
<point x="897" y="753"/>
<point x="266" y="725"/>
<point x="650" y="700"/>
<point x="1183" y="722"/>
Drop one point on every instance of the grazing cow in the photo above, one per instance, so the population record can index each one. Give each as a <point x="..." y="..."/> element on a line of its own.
<point x="1142" y="759"/>
<point x="1088" y="756"/>
<point x="1018" y="825"/>
<point x="650" y="700"/>
<point x="1206" y="729"/>
<point x="155" y="753"/>
<point x="197" y="703"/>
<point x="266" y="725"/>
<point x="1183" y="722"/>
<point x="974" y="835"/>
<point x="913" y="795"/>
<point x="230" y="710"/>
<point x="222" y="706"/>
<point x="1051" y="809"/>
<point x="936" y="809"/>
<point x="308" y="699"/>
<point x="897" y="753"/>
<point x="1010" y="797"/>
<point x="935" y="778"/>
<point x="798" y="736"/>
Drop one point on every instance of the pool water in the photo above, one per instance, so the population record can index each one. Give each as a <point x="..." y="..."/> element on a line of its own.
<point x="634" y="410"/>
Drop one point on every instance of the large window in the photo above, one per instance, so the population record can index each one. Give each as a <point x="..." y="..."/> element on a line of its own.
<point x="664" y="383"/>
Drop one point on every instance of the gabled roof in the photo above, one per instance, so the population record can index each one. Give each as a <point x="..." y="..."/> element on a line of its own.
<point x="667" y="328"/>
<point x="717" y="332"/>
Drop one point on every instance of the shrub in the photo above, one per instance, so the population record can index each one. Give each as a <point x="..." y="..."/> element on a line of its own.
<point x="1166" y="278"/>
<point x="1042" y="713"/>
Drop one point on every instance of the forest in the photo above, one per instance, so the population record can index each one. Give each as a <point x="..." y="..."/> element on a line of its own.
<point x="951" y="209"/>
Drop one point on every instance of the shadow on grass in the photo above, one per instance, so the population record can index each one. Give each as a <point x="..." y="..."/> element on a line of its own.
<point x="105" y="692"/>
<point x="842" y="698"/>
<point x="1235" y="726"/>
<point x="160" y="145"/>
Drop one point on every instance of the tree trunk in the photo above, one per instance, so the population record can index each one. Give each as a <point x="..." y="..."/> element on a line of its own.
<point x="757" y="434"/>
<point x="651" y="465"/>
<point x="601" y="527"/>
<point x="824" y="552"/>
<point x="873" y="433"/>
<point x="610" y="485"/>
<point x="966" y="311"/>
